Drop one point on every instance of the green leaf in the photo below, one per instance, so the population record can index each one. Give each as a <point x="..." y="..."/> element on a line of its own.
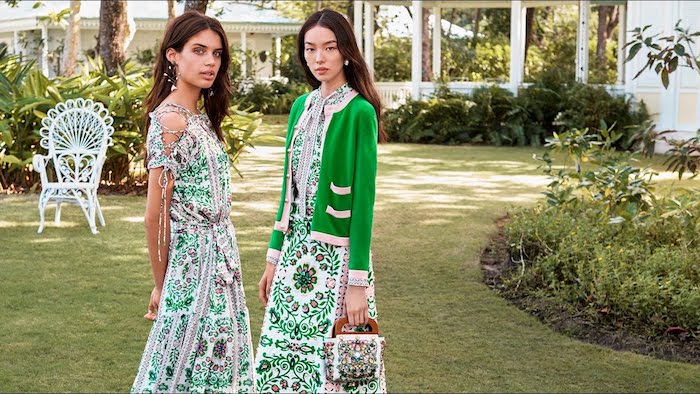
<point x="664" y="78"/>
<point x="679" y="49"/>
<point x="11" y="159"/>
<point x="633" y="51"/>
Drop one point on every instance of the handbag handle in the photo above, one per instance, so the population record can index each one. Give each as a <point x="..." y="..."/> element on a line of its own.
<point x="338" y="329"/>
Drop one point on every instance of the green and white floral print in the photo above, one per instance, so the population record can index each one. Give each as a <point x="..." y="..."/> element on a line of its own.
<point x="200" y="341"/>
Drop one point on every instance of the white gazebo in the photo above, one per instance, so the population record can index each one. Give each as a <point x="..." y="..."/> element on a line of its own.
<point x="247" y="26"/>
<point x="675" y="108"/>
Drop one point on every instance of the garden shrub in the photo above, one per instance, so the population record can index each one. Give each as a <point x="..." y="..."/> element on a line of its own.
<point x="26" y="95"/>
<point x="438" y="120"/>
<point x="271" y="97"/>
<point x="644" y="282"/>
<point x="604" y="244"/>
<point x="493" y="116"/>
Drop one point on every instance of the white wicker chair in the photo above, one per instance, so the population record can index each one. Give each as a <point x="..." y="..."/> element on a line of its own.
<point x="76" y="134"/>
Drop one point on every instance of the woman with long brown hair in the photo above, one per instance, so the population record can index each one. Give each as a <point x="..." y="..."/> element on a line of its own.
<point x="200" y="340"/>
<point x="318" y="264"/>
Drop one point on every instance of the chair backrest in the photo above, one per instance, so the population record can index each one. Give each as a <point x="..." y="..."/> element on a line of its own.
<point x="76" y="133"/>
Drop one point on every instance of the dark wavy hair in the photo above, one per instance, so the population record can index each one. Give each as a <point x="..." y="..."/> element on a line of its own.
<point x="177" y="33"/>
<point x="356" y="72"/>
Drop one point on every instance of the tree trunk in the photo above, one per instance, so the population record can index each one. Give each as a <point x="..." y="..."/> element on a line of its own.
<point x="477" y="21"/>
<point x="602" y="39"/>
<point x="529" y="31"/>
<point x="196" y="5"/>
<point x="72" y="42"/>
<point x="113" y="33"/>
<point x="427" y="54"/>
<point x="171" y="10"/>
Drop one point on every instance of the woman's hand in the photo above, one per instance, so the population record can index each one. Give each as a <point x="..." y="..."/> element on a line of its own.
<point x="153" y="304"/>
<point x="266" y="282"/>
<point x="356" y="305"/>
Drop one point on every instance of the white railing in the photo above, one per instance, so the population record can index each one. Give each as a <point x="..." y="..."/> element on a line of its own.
<point x="396" y="93"/>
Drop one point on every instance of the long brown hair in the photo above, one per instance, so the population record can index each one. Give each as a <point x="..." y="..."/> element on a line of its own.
<point x="356" y="71"/>
<point x="177" y="33"/>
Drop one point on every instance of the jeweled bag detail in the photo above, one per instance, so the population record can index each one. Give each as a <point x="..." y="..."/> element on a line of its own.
<point x="353" y="357"/>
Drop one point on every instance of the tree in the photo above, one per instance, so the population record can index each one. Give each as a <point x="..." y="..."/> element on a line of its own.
<point x="113" y="34"/>
<point x="427" y="74"/>
<point x="608" y="18"/>
<point x="171" y="10"/>
<point x="72" y="42"/>
<point x="529" y="29"/>
<point x="196" y="5"/>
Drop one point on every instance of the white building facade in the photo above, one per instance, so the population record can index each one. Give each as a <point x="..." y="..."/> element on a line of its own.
<point x="676" y="108"/>
<point x="24" y="30"/>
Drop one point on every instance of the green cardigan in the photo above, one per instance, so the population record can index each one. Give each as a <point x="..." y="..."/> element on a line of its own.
<point x="345" y="197"/>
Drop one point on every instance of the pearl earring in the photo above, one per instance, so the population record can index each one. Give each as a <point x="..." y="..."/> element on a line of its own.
<point x="346" y="62"/>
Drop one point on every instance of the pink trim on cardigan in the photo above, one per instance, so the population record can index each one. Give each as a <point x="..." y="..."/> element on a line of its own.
<point x="337" y="214"/>
<point x="340" y="190"/>
<point x="273" y="253"/>
<point x="330" y="239"/>
<point x="358" y="274"/>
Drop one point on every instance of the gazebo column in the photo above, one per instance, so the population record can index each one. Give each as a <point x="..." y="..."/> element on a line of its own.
<point x="45" y="50"/>
<point x="357" y="21"/>
<point x="16" y="43"/>
<point x="278" y="55"/>
<point x="437" y="43"/>
<point x="416" y="48"/>
<point x="517" y="44"/>
<point x="621" y="42"/>
<point x="369" y="36"/>
<point x="584" y="7"/>
<point x="244" y="48"/>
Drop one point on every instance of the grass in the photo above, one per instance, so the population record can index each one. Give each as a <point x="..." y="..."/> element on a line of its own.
<point x="72" y="303"/>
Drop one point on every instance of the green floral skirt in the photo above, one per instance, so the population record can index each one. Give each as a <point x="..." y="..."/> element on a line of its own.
<point x="307" y="296"/>
<point x="200" y="341"/>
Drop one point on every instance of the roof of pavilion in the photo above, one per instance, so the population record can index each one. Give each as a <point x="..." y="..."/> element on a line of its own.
<point x="490" y="3"/>
<point x="150" y="15"/>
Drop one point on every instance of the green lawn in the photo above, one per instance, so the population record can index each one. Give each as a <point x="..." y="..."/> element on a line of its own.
<point x="71" y="303"/>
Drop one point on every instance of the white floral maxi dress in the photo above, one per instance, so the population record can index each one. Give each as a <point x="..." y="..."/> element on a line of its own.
<point x="200" y="340"/>
<point x="308" y="289"/>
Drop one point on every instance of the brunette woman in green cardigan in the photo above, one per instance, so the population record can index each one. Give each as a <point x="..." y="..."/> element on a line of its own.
<point x="318" y="263"/>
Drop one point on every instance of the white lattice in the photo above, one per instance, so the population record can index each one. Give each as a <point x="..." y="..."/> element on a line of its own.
<point x="76" y="134"/>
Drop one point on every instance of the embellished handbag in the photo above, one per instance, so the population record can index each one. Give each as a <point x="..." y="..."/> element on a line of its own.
<point x="353" y="356"/>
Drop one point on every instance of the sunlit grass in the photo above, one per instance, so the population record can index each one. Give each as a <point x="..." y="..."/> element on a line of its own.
<point x="71" y="303"/>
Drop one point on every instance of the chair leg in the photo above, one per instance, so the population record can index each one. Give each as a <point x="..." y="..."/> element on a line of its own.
<point x="42" y="206"/>
<point x="86" y="207"/>
<point x="91" y="211"/>
<point x="57" y="219"/>
<point x="99" y="211"/>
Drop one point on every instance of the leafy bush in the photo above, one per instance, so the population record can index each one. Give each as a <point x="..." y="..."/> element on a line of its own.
<point x="603" y="243"/>
<point x="643" y="275"/>
<point x="26" y="95"/>
<point x="492" y="115"/>
<point x="586" y="105"/>
<point x="438" y="120"/>
<point x="273" y="97"/>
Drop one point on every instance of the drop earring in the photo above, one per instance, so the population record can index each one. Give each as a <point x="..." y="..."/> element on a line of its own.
<point x="171" y="79"/>
<point x="211" y="92"/>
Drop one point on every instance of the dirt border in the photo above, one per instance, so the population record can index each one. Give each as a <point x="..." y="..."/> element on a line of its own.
<point x="496" y="263"/>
